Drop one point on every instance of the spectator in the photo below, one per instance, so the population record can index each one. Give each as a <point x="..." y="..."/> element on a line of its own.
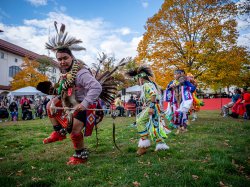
<point x="26" y="111"/>
<point x="247" y="111"/>
<point x="6" y="101"/>
<point x="230" y="94"/>
<point x="39" y="108"/>
<point x="45" y="102"/>
<point x="133" y="102"/>
<point x="118" y="105"/>
<point x="246" y="103"/>
<point x="13" y="108"/>
<point x="3" y="111"/>
<point x="104" y="107"/>
<point x="139" y="106"/>
<point x="235" y="97"/>
<point x="31" y="100"/>
<point x="23" y="99"/>
<point x="239" y="107"/>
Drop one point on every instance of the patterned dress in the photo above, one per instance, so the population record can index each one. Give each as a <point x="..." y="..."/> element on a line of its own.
<point x="179" y="101"/>
<point x="151" y="125"/>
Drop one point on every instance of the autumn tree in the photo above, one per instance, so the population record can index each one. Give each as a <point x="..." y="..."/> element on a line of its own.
<point x="193" y="35"/>
<point x="227" y="72"/>
<point x="107" y="63"/>
<point x="28" y="76"/>
<point x="244" y="9"/>
<point x="45" y="64"/>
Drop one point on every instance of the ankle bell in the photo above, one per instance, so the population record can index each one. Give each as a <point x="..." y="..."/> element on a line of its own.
<point x="83" y="154"/>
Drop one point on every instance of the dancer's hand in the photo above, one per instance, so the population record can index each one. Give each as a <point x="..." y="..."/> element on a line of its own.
<point x="151" y="111"/>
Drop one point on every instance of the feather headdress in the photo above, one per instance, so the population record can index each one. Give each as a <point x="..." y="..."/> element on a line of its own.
<point x="107" y="81"/>
<point x="142" y="71"/>
<point x="63" y="41"/>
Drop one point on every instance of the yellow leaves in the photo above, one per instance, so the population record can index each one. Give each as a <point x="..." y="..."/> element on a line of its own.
<point x="28" y="76"/>
<point x="197" y="36"/>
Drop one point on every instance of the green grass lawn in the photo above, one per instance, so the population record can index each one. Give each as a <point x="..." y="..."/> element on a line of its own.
<point x="214" y="152"/>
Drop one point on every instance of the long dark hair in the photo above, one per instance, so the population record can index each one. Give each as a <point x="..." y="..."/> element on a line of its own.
<point x="65" y="50"/>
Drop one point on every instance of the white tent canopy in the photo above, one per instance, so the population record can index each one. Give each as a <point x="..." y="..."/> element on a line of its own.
<point x="132" y="89"/>
<point x="29" y="90"/>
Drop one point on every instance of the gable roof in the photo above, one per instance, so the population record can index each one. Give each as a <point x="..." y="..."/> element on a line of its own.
<point x="2" y="87"/>
<point x="6" y="46"/>
<point x="12" y="48"/>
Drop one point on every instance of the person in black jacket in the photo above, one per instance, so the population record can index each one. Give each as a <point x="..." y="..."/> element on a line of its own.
<point x="26" y="110"/>
<point x="13" y="111"/>
<point x="3" y="111"/>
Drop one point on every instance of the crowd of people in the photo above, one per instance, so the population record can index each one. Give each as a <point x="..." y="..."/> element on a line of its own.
<point x="239" y="105"/>
<point x="29" y="107"/>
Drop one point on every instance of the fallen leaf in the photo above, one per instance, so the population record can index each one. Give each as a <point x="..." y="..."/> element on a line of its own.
<point x="195" y="177"/>
<point x="19" y="173"/>
<point x="222" y="184"/>
<point x="32" y="167"/>
<point x="136" y="184"/>
<point x="226" y="144"/>
<point x="247" y="177"/>
<point x="69" y="179"/>
<point x="35" y="179"/>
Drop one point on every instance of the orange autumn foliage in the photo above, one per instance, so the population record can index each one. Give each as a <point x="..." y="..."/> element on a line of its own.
<point x="197" y="36"/>
<point x="28" y="76"/>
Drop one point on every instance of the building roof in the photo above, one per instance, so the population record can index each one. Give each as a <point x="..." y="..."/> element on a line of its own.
<point x="2" y="87"/>
<point x="6" y="46"/>
<point x="12" y="48"/>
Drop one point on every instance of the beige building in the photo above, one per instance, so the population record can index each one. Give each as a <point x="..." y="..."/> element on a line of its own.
<point x="11" y="58"/>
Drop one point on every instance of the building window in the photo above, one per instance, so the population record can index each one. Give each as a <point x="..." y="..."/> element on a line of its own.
<point x="53" y="79"/>
<point x="16" y="60"/>
<point x="13" y="70"/>
<point x="54" y="70"/>
<point x="2" y="55"/>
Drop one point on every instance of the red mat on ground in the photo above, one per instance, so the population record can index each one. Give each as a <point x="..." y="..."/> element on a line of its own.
<point x="211" y="104"/>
